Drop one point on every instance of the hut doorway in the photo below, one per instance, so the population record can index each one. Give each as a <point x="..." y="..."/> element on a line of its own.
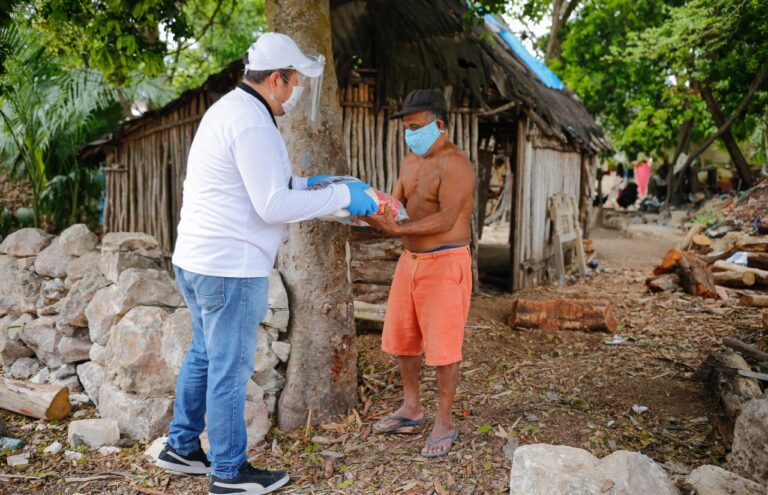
<point x="496" y="186"/>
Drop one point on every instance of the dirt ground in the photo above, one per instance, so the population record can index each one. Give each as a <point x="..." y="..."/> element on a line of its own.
<point x="517" y="387"/>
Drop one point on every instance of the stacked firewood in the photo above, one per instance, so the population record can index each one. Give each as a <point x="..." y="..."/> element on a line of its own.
<point x="694" y="268"/>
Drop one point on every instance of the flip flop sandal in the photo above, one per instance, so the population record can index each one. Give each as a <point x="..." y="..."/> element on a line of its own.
<point x="430" y="442"/>
<point x="402" y="422"/>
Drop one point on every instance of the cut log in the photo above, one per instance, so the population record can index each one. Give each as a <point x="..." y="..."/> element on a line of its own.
<point x="746" y="349"/>
<point x="685" y="242"/>
<point x="563" y="314"/>
<point x="373" y="271"/>
<point x="754" y="301"/>
<point x="377" y="249"/>
<point x="735" y="279"/>
<point x="757" y="246"/>
<point x="700" y="243"/>
<point x="694" y="277"/>
<point x="37" y="400"/>
<point x="669" y="263"/>
<point x="757" y="260"/>
<point x="663" y="283"/>
<point x="370" y="312"/>
<point x="371" y="293"/>
<point x="761" y="276"/>
<point x="720" y="372"/>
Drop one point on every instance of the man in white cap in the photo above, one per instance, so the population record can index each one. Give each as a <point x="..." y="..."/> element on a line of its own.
<point x="238" y="196"/>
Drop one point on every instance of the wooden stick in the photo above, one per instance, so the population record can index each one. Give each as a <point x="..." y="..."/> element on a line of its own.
<point x="745" y="349"/>
<point x="382" y="184"/>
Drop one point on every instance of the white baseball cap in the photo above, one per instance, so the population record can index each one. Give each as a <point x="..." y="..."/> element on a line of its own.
<point x="273" y="51"/>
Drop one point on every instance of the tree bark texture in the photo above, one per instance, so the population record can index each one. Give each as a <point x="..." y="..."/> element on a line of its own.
<point x="38" y="400"/>
<point x="322" y="370"/>
<point x="563" y="314"/>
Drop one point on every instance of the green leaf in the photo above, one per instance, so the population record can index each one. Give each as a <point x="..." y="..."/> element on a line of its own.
<point x="484" y="428"/>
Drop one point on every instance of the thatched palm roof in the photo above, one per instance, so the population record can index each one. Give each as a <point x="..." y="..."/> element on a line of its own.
<point x="415" y="44"/>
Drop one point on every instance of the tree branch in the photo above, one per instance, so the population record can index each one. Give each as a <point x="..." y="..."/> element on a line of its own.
<point x="569" y="10"/>
<point x="728" y="123"/>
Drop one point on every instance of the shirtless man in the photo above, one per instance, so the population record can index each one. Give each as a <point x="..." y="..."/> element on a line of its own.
<point x="429" y="299"/>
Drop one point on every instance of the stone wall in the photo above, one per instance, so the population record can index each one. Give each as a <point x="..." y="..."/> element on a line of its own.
<point x="107" y="320"/>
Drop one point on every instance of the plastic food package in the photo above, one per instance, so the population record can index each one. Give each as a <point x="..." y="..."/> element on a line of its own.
<point x="382" y="200"/>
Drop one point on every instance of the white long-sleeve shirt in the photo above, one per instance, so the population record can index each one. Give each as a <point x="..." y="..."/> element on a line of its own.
<point x="239" y="192"/>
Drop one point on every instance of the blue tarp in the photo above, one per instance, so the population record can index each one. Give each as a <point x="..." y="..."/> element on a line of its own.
<point x="537" y="66"/>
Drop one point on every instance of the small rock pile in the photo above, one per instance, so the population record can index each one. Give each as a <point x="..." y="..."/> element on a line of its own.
<point x="112" y="323"/>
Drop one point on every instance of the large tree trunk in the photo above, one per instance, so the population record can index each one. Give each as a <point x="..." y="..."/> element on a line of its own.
<point x="322" y="370"/>
<point x="561" y="11"/>
<point x="730" y="143"/>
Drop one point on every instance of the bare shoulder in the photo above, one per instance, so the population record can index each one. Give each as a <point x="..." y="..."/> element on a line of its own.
<point x="455" y="163"/>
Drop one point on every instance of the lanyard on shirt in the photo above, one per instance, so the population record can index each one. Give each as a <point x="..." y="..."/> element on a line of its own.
<point x="256" y="95"/>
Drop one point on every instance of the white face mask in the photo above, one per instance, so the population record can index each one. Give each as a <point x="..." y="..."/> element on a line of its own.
<point x="290" y="103"/>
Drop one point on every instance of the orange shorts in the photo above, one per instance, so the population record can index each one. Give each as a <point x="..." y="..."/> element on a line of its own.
<point x="428" y="305"/>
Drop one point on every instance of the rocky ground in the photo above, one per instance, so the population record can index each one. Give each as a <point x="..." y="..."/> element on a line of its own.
<point x="518" y="387"/>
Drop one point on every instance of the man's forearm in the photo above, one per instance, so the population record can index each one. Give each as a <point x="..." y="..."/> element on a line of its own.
<point x="436" y="223"/>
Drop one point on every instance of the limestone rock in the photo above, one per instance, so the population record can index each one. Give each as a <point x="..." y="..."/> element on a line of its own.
<point x="278" y="296"/>
<point x="277" y="319"/>
<point x="134" y="242"/>
<point x="148" y="287"/>
<point x="43" y="338"/>
<point x="78" y="267"/>
<point x="282" y="350"/>
<point x="104" y="310"/>
<point x="271" y="381"/>
<point x="98" y="354"/>
<point x="52" y="261"/>
<point x="71" y="382"/>
<point x="72" y="310"/>
<point x="25" y="368"/>
<point x="134" y="359"/>
<point x="749" y="453"/>
<point x="114" y="263"/>
<point x="177" y="336"/>
<point x="543" y="469"/>
<point x="714" y="480"/>
<point x="41" y="376"/>
<point x="19" y="289"/>
<point x="71" y="455"/>
<point x="265" y="359"/>
<point x="138" y="418"/>
<point x="53" y="448"/>
<point x="11" y="345"/>
<point x="64" y="372"/>
<point x="75" y="349"/>
<point x="93" y="432"/>
<point x="25" y="242"/>
<point x="17" y="461"/>
<point x="77" y="240"/>
<point x="92" y="377"/>
<point x="253" y="392"/>
<point x="51" y="291"/>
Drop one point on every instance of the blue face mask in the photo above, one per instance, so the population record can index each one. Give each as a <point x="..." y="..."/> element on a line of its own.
<point x="420" y="140"/>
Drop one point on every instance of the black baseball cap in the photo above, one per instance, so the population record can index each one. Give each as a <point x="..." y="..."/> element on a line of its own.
<point x="422" y="100"/>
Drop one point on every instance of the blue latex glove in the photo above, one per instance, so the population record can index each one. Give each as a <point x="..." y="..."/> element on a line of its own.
<point x="311" y="181"/>
<point x="360" y="204"/>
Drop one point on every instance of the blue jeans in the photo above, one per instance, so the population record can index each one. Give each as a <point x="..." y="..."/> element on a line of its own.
<point x="226" y="313"/>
